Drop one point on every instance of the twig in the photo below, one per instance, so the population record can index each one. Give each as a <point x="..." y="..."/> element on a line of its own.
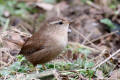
<point x="1" y="42"/>
<point x="58" y="11"/>
<point x="21" y="33"/>
<point x="56" y="75"/>
<point x="6" y="25"/>
<point x="98" y="57"/>
<point x="23" y="27"/>
<point x="3" y="63"/>
<point x="29" y="0"/>
<point x="102" y="37"/>
<point x="93" y="5"/>
<point x="83" y="46"/>
<point x="85" y="38"/>
<point x="107" y="59"/>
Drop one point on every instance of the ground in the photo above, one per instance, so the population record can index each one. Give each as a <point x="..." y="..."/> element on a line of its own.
<point x="93" y="51"/>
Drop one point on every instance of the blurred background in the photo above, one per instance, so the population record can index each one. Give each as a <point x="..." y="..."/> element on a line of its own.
<point x="94" y="37"/>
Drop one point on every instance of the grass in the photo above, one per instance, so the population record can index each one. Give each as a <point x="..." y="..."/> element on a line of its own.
<point x="74" y="68"/>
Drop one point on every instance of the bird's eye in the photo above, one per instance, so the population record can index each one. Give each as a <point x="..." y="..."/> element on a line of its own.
<point x="60" y="22"/>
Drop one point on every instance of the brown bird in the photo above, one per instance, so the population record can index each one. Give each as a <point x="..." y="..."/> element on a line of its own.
<point x="48" y="42"/>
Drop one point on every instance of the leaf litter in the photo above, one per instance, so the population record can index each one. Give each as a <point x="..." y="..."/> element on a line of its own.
<point x="92" y="52"/>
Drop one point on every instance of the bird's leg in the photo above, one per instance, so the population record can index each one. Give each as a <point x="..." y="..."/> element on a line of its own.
<point x="44" y="67"/>
<point x="37" y="70"/>
<point x="54" y="65"/>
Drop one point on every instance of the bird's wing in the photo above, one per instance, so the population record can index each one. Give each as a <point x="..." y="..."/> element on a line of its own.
<point x="33" y="44"/>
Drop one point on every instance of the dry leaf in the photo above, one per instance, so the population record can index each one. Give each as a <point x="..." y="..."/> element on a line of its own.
<point x="45" y="6"/>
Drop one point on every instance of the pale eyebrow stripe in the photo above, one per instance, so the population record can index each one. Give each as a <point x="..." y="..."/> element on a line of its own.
<point x="54" y="22"/>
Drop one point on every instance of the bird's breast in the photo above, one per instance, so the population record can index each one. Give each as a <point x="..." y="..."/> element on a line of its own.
<point x="61" y="42"/>
<point x="57" y="39"/>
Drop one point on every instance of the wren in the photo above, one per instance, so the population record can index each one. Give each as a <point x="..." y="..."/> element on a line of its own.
<point x="48" y="42"/>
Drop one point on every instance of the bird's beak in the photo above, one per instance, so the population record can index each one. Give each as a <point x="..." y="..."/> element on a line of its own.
<point x="69" y="30"/>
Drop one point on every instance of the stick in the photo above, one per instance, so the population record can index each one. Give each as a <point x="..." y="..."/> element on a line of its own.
<point x="102" y="37"/>
<point x="85" y="38"/>
<point x="107" y="59"/>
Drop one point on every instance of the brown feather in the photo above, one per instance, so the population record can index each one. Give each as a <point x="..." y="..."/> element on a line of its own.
<point x="47" y="43"/>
